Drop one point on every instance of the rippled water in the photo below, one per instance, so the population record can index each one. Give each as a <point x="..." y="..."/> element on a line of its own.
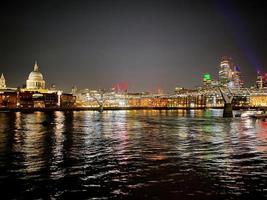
<point x="132" y="154"/>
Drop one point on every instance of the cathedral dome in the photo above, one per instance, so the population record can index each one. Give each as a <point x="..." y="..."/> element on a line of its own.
<point x="35" y="75"/>
<point x="35" y="79"/>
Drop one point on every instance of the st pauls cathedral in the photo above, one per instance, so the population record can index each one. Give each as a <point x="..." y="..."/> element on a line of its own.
<point x="35" y="80"/>
<point x="34" y="95"/>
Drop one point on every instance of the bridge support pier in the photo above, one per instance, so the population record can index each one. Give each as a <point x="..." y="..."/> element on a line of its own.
<point x="228" y="110"/>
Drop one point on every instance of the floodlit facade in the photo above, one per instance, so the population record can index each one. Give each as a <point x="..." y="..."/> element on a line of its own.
<point x="35" y="80"/>
<point x="35" y="95"/>
<point x="258" y="100"/>
<point x="236" y="78"/>
<point x="225" y="72"/>
<point x="2" y="82"/>
<point x="207" y="80"/>
<point x="229" y="75"/>
<point x="259" y="81"/>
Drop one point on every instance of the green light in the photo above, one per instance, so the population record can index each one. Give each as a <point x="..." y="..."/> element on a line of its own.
<point x="207" y="77"/>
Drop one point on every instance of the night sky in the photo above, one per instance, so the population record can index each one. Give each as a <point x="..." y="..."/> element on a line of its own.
<point x="149" y="44"/>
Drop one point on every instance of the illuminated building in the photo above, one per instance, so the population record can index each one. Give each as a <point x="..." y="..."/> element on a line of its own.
<point x="229" y="75"/>
<point x="35" y="80"/>
<point x="34" y="95"/>
<point x="121" y="87"/>
<point x="178" y="89"/>
<point x="264" y="81"/>
<point x="236" y="78"/>
<point x="8" y="99"/>
<point x="8" y="96"/>
<point x="53" y="87"/>
<point x="74" y="90"/>
<point x="25" y="100"/>
<point x="259" y="82"/>
<point x="225" y="72"/>
<point x="2" y="82"/>
<point x="187" y="98"/>
<point x="67" y="100"/>
<point x="183" y="91"/>
<point x="206" y="80"/>
<point x="32" y="99"/>
<point x="29" y="99"/>
<point x="258" y="100"/>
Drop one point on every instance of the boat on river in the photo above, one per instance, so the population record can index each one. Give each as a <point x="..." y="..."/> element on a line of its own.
<point x="250" y="113"/>
<point x="260" y="116"/>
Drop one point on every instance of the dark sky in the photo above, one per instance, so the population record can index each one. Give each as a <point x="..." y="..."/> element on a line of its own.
<point x="149" y="44"/>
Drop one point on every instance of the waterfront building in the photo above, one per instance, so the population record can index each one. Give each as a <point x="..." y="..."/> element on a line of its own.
<point x="25" y="100"/>
<point x="258" y="100"/>
<point x="33" y="99"/>
<point x="95" y="98"/>
<point x="35" y="80"/>
<point x="51" y="100"/>
<point x="2" y="82"/>
<point x="8" y="99"/>
<point x="188" y="98"/>
<point x="67" y="100"/>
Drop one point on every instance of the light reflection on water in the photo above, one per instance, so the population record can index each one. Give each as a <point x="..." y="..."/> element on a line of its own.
<point x="132" y="154"/>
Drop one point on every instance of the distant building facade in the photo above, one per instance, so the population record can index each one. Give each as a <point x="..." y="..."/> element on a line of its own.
<point x="207" y="80"/>
<point x="259" y="81"/>
<point x="264" y="81"/>
<point x="225" y="72"/>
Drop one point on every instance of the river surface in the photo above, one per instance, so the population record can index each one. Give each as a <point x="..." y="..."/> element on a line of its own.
<point x="132" y="155"/>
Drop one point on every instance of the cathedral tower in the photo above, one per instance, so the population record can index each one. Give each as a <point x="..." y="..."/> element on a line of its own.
<point x="2" y="82"/>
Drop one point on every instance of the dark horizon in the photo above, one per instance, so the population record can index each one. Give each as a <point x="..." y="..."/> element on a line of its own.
<point x="149" y="44"/>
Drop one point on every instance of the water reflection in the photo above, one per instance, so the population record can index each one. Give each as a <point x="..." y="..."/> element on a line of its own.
<point x="32" y="147"/>
<point x="261" y="127"/>
<point x="163" y="154"/>
<point x="3" y="129"/>
<point x="57" y="157"/>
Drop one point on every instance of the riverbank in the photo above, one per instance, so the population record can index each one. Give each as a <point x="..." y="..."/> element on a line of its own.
<point x="119" y="108"/>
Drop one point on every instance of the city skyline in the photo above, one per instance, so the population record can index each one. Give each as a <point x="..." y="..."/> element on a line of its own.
<point x="229" y="79"/>
<point x="148" y="44"/>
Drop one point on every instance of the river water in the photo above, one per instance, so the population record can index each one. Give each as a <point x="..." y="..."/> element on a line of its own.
<point x="132" y="155"/>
